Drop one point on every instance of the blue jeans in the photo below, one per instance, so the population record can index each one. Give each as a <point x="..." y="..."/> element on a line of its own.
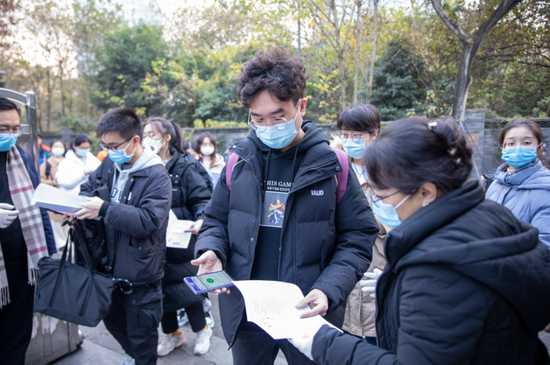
<point x="255" y="347"/>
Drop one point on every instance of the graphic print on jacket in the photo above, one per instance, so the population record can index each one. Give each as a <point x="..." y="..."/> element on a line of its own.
<point x="280" y="170"/>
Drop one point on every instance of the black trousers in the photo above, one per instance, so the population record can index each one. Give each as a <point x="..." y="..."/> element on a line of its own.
<point x="134" y="319"/>
<point x="16" y="319"/>
<point x="195" y="314"/>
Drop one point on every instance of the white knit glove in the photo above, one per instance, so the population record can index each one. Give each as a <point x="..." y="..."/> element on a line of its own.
<point x="369" y="286"/>
<point x="7" y="214"/>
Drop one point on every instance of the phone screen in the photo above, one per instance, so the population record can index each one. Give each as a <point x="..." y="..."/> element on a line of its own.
<point x="207" y="282"/>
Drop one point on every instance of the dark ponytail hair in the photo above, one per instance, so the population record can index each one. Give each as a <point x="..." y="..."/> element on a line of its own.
<point x="533" y="127"/>
<point x="166" y="127"/>
<point x="413" y="151"/>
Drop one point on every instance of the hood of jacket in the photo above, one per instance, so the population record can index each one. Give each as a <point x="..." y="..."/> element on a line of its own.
<point x="318" y="160"/>
<point x="483" y="241"/>
<point x="532" y="176"/>
<point x="147" y="159"/>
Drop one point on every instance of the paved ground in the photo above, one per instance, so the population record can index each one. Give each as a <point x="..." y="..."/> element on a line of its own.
<point x="100" y="348"/>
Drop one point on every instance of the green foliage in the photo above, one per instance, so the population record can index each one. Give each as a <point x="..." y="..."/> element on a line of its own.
<point x="81" y="124"/>
<point x="397" y="87"/>
<point x="126" y="58"/>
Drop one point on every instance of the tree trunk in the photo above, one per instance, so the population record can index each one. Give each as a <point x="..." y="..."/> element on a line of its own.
<point x="342" y="77"/>
<point x="470" y="46"/>
<point x="374" y="46"/>
<point x="357" y="52"/>
<point x="463" y="83"/>
<point x="61" y="89"/>
<point x="48" y="99"/>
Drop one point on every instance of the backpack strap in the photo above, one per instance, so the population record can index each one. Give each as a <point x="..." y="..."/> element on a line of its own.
<point x="231" y="162"/>
<point x="342" y="176"/>
<point x="48" y="170"/>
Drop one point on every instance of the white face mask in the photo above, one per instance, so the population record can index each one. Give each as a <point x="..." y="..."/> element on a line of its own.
<point x="207" y="150"/>
<point x="58" y="151"/>
<point x="154" y="143"/>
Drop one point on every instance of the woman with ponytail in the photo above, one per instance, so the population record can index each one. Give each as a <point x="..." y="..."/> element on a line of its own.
<point x="522" y="183"/>
<point x="465" y="281"/>
<point x="189" y="196"/>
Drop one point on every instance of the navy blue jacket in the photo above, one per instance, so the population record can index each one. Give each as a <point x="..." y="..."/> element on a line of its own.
<point x="465" y="283"/>
<point x="35" y="178"/>
<point x="324" y="245"/>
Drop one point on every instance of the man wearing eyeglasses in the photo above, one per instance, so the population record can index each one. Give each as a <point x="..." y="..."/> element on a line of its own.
<point x="25" y="237"/>
<point x="278" y="217"/>
<point x="137" y="210"/>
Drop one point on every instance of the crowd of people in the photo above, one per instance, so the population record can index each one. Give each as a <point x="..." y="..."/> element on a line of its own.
<point x="405" y="257"/>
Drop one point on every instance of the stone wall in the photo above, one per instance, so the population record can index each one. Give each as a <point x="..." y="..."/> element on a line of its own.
<point x="484" y="133"/>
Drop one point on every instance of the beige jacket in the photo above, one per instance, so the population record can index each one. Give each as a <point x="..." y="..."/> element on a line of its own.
<point x="361" y="307"/>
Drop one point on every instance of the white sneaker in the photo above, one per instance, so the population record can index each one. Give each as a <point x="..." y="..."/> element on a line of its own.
<point x="169" y="343"/>
<point x="209" y="319"/>
<point x="206" y="305"/>
<point x="127" y="361"/>
<point x="203" y="341"/>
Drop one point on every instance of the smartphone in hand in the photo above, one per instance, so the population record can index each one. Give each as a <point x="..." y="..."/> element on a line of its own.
<point x="205" y="283"/>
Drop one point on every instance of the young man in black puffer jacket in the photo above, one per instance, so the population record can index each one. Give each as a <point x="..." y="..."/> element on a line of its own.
<point x="283" y="218"/>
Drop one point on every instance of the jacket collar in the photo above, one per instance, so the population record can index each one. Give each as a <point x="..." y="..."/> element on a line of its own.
<point x="319" y="161"/>
<point x="401" y="240"/>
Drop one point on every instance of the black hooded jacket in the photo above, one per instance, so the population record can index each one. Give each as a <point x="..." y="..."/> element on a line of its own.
<point x="465" y="283"/>
<point x="189" y="196"/>
<point x="323" y="245"/>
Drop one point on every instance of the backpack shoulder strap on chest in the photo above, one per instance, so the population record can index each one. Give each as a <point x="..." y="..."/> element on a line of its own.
<point x="342" y="176"/>
<point x="231" y="162"/>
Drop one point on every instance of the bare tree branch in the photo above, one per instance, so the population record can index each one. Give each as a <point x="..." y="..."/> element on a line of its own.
<point x="449" y="22"/>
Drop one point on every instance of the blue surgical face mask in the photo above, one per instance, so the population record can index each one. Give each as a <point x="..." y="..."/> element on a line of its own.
<point x="278" y="136"/>
<point x="82" y="152"/>
<point x="519" y="157"/>
<point x="387" y="213"/>
<point x="354" y="149"/>
<point x="120" y="157"/>
<point x="7" y="141"/>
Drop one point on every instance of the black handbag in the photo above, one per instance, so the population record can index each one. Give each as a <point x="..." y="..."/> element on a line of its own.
<point x="70" y="292"/>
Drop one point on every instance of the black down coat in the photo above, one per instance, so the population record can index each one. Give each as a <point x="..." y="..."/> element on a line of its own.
<point x="465" y="283"/>
<point x="140" y="221"/>
<point x="324" y="245"/>
<point x="189" y="196"/>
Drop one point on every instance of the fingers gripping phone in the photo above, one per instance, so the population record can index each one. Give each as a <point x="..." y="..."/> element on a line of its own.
<point x="204" y="283"/>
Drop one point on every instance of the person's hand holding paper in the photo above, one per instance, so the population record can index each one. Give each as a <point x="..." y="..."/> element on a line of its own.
<point x="317" y="301"/>
<point x="196" y="227"/>
<point x="90" y="209"/>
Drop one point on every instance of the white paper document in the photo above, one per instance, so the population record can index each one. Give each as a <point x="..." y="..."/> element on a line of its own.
<point x="176" y="237"/>
<point x="272" y="306"/>
<point x="48" y="197"/>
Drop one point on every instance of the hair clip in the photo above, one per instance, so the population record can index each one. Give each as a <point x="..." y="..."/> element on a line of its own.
<point x="451" y="151"/>
<point x="432" y="125"/>
<point x="458" y="161"/>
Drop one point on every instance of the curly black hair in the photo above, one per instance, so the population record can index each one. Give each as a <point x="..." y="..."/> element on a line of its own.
<point x="275" y="70"/>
